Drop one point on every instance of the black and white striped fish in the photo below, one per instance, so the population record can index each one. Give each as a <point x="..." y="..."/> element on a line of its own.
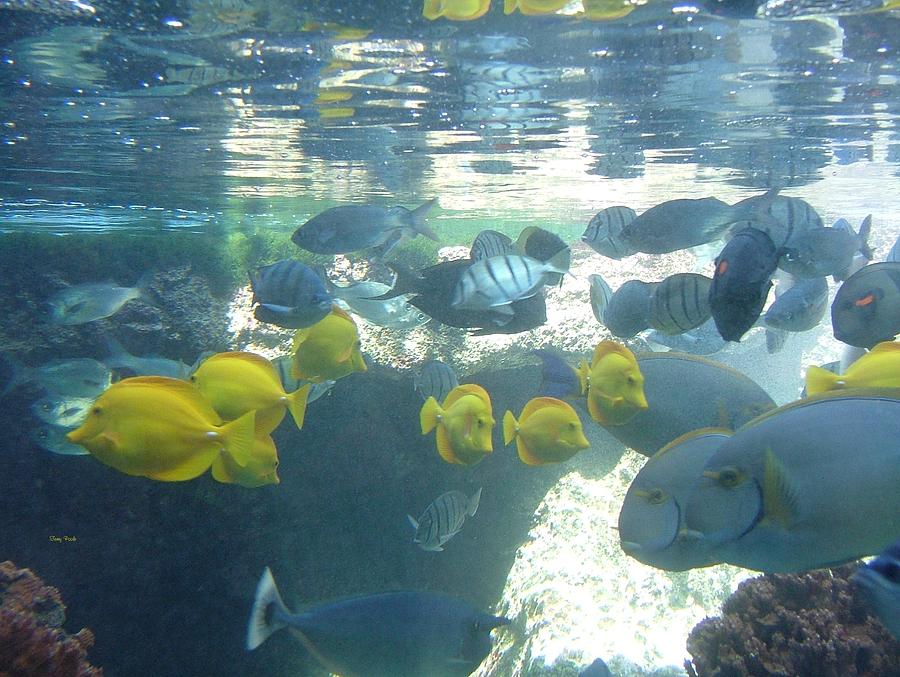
<point x="443" y="518"/>
<point x="436" y="379"/>
<point x="603" y="232"/>
<point x="490" y="243"/>
<point x="680" y="303"/>
<point x="791" y="217"/>
<point x="497" y="281"/>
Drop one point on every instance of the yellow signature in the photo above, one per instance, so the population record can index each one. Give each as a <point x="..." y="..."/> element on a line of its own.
<point x="63" y="539"/>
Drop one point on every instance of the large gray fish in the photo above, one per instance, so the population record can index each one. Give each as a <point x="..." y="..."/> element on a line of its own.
<point x="442" y="519"/>
<point x="78" y="377"/>
<point x="350" y="228"/>
<point x="119" y="358"/>
<point x="811" y="484"/>
<point x="679" y="303"/>
<point x="53" y="439"/>
<point x="624" y="312"/>
<point x="436" y="380"/>
<point x="791" y="217"/>
<point x="704" y="340"/>
<point x="94" y="300"/>
<point x="679" y="224"/>
<point x="866" y="308"/>
<point x="496" y="282"/>
<point x="801" y="307"/>
<point x="604" y="232"/>
<point x="825" y="251"/>
<point x="290" y="294"/>
<point x="61" y="410"/>
<point x="490" y="243"/>
<point x="879" y="581"/>
<point x="651" y="523"/>
<point x="390" y="634"/>
<point x="393" y="313"/>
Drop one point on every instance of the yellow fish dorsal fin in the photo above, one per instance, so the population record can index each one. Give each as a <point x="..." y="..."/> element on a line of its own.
<point x="461" y="391"/>
<point x="538" y="403"/>
<point x="183" y="389"/>
<point x="700" y="432"/>
<point x="605" y="348"/>
<point x="885" y="347"/>
<point x="779" y="497"/>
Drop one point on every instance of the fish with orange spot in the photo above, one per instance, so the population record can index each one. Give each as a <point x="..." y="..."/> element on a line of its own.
<point x="548" y="431"/>
<point x="613" y="384"/>
<point x="463" y="424"/>
<point x="866" y="308"/>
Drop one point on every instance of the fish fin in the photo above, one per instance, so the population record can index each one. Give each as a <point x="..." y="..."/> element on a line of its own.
<point x="820" y="380"/>
<point x="608" y="347"/>
<point x="238" y="437"/>
<point x="418" y="219"/>
<point x="429" y="415"/>
<point x="525" y="454"/>
<point x="296" y="403"/>
<point x="433" y="9"/>
<point x="596" y="411"/>
<point x="406" y="281"/>
<point x="699" y="432"/>
<point x="538" y="403"/>
<point x="413" y="522"/>
<point x="558" y="378"/>
<point x="510" y="427"/>
<point x="505" y="311"/>
<point x="264" y="622"/>
<point x="775" y="340"/>
<point x="605" y="294"/>
<point x="584" y="377"/>
<point x="472" y="505"/>
<point x="464" y="389"/>
<point x="865" y="229"/>
<point x="220" y="471"/>
<point x="144" y="288"/>
<point x="445" y="448"/>
<point x="779" y="497"/>
<point x="885" y="347"/>
<point x="559" y="262"/>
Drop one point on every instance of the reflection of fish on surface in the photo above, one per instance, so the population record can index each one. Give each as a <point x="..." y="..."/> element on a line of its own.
<point x="435" y="379"/>
<point x="604" y="232"/>
<point x="808" y="485"/>
<point x="290" y="294"/>
<point x="328" y="350"/>
<point x="651" y="523"/>
<point x="879" y="368"/>
<point x="390" y="634"/>
<point x="866" y="308"/>
<point x="95" y="300"/>
<point x="879" y="581"/>
<point x="613" y="384"/>
<point x="443" y="518"/>
<point x="533" y="7"/>
<point x="455" y="10"/>
<point x="463" y="423"/>
<point x="548" y="431"/>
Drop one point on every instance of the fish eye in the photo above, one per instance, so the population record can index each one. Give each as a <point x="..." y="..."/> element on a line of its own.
<point x="480" y="422"/>
<point x="729" y="478"/>
<point x="96" y="411"/>
<point x="656" y="496"/>
<point x="572" y="425"/>
<point x="630" y="380"/>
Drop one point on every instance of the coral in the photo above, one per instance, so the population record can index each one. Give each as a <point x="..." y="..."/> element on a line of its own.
<point x="794" y="624"/>
<point x="32" y="643"/>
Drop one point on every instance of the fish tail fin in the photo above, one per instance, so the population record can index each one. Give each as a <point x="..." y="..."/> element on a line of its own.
<point x="268" y="614"/>
<point x="472" y="505"/>
<point x="558" y="379"/>
<point x="406" y="281"/>
<point x="145" y="288"/>
<point x="418" y="219"/>
<point x="238" y="436"/>
<point x="296" y="403"/>
<point x="820" y="380"/>
<point x="510" y="427"/>
<point x="865" y="229"/>
<point x="559" y="262"/>
<point x="16" y="371"/>
<point x="428" y="415"/>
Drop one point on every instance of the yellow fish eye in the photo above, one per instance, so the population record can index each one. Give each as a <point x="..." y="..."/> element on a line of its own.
<point x="656" y="496"/>
<point x="96" y="411"/>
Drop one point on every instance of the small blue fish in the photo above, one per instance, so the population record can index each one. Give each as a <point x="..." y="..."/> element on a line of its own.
<point x="289" y="294"/>
<point x="879" y="581"/>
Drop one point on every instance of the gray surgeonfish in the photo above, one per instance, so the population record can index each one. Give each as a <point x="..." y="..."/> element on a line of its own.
<point x="801" y="307"/>
<point x="289" y="294"/>
<point x="626" y="310"/>
<point x="866" y="308"/>
<point x="651" y="522"/>
<point x="811" y="484"/>
<point x="741" y="282"/>
<point x="825" y="251"/>
<point x="604" y="232"/>
<point x="443" y="519"/>
<point x="390" y="634"/>
<point x="879" y="581"/>
<point x="679" y="224"/>
<point x="350" y="228"/>
<point x="495" y="283"/>
<point x="435" y="379"/>
<point x="490" y="243"/>
<point x="679" y="303"/>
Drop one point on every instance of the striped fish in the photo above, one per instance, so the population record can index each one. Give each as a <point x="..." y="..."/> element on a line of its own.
<point x="792" y="216"/>
<point x="680" y="303"/>
<point x="436" y="379"/>
<point x="443" y="518"/>
<point x="490" y="243"/>
<point x="289" y="294"/>
<point x="603" y="231"/>
<point x="497" y="281"/>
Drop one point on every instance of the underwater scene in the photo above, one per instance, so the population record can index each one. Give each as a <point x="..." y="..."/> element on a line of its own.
<point x="434" y="338"/>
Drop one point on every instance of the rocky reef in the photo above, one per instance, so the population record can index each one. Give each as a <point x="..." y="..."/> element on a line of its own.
<point x="794" y="624"/>
<point x="32" y="641"/>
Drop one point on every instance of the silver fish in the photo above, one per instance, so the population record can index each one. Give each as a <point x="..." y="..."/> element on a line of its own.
<point x="443" y="518"/>
<point x="92" y="301"/>
<point x="825" y="251"/>
<point x="604" y="231"/>
<point x="53" y="439"/>
<point x="78" y="377"/>
<point x="601" y="294"/>
<point x="67" y="412"/>
<point x="490" y="243"/>
<point x="394" y="313"/>
<point x="866" y="308"/>
<point x="791" y="217"/>
<point x="801" y="307"/>
<point x="679" y="303"/>
<point x="282" y="365"/>
<point x="496" y="282"/>
<point x="435" y="379"/>
<point x="879" y="581"/>
<point x="119" y="358"/>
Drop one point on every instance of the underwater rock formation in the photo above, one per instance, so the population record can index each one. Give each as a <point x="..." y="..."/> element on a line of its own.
<point x="32" y="643"/>
<point x="813" y="623"/>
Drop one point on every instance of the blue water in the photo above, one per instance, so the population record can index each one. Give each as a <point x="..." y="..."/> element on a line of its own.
<point x="196" y="136"/>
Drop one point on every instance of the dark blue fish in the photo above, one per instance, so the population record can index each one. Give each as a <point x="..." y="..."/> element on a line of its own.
<point x="289" y="294"/>
<point x="741" y="282"/>
<point x="879" y="581"/>
<point x="866" y="308"/>
<point x="391" y="634"/>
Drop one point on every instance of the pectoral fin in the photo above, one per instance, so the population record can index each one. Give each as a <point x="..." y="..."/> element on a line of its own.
<point x="780" y="503"/>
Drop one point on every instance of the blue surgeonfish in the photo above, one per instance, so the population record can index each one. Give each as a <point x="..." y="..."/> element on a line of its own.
<point x="879" y="581"/>
<point x="808" y="485"/>
<point x="390" y="634"/>
<point x="651" y="523"/>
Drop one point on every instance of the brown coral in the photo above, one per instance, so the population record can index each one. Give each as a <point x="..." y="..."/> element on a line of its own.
<point x="795" y="625"/>
<point x="32" y="643"/>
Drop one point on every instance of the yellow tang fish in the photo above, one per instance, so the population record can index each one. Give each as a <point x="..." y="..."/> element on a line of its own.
<point x="879" y="368"/>
<point x="548" y="431"/>
<point x="607" y="10"/>
<point x="455" y="10"/>
<point x="238" y="382"/>
<point x="161" y="428"/>
<point x="327" y="350"/>
<point x="533" y="7"/>
<point x="464" y="423"/>
<point x="261" y="468"/>
<point x="613" y="384"/>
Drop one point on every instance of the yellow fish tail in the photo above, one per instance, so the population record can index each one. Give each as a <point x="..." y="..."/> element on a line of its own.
<point x="238" y="436"/>
<point x="510" y="427"/>
<point x="296" y="403"/>
<point x="428" y="415"/>
<point x="820" y="380"/>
